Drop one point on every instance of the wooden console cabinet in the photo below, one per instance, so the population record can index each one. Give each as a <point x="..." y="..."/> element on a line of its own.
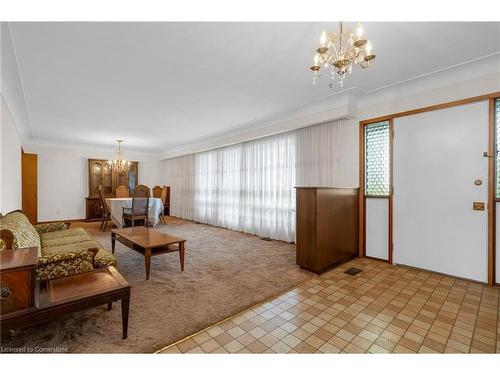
<point x="327" y="227"/>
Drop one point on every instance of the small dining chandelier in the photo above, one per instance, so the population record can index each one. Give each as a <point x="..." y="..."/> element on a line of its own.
<point x="341" y="50"/>
<point x="119" y="164"/>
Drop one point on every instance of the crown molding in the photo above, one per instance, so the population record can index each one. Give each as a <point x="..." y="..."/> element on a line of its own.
<point x="33" y="145"/>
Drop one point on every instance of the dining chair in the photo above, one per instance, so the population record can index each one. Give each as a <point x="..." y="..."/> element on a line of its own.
<point x="163" y="197"/>
<point x="141" y="191"/>
<point x="106" y="215"/>
<point x="139" y="209"/>
<point x="122" y="191"/>
<point x="166" y="204"/>
<point x="157" y="191"/>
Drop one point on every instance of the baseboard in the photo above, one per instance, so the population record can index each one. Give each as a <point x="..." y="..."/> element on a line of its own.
<point x="441" y="274"/>
<point x="60" y="221"/>
<point x="373" y="258"/>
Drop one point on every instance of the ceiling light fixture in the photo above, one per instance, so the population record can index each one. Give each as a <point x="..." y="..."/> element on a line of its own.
<point x="340" y="51"/>
<point x="119" y="164"/>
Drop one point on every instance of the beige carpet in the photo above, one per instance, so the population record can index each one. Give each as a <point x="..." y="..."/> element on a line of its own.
<point x="225" y="273"/>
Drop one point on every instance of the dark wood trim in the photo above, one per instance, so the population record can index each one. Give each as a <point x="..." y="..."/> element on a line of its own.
<point x="362" y="200"/>
<point x="363" y="197"/>
<point x="432" y="108"/>
<point x="491" y="195"/>
<point x="391" y="188"/>
<point x="29" y="186"/>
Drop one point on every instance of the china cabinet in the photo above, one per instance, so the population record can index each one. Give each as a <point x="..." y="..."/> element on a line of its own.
<point x="101" y="173"/>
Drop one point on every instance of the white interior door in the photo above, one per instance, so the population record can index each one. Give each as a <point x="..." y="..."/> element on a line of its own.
<point x="437" y="157"/>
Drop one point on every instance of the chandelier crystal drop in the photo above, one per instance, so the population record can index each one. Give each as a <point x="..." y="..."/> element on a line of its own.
<point x="119" y="164"/>
<point x="340" y="51"/>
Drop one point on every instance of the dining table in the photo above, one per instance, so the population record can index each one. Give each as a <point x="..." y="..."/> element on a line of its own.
<point x="116" y="206"/>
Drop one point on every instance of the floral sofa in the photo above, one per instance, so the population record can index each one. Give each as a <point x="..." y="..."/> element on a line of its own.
<point x="61" y="251"/>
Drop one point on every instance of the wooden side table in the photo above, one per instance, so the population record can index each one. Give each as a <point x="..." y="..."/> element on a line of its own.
<point x="74" y="293"/>
<point x="17" y="281"/>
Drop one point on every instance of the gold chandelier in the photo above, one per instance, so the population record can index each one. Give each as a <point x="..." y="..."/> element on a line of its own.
<point x="119" y="164"/>
<point x="340" y="51"/>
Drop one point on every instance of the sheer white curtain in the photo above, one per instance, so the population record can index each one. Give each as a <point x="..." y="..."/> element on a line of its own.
<point x="249" y="187"/>
<point x="318" y="154"/>
<point x="217" y="186"/>
<point x="179" y="176"/>
<point x="268" y="187"/>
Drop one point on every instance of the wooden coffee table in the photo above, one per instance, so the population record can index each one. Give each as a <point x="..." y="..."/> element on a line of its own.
<point x="148" y="242"/>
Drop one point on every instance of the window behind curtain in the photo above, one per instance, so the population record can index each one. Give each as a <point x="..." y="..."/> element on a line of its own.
<point x="249" y="187"/>
<point x="377" y="159"/>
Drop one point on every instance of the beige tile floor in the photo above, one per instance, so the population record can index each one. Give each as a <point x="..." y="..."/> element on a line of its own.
<point x="383" y="309"/>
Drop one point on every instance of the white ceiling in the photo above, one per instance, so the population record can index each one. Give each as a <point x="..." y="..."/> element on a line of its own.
<point x="161" y="85"/>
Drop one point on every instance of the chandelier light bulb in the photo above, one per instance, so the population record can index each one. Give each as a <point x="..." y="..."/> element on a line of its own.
<point x="322" y="39"/>
<point x="368" y="48"/>
<point x="359" y="31"/>
<point x="316" y="59"/>
<point x="350" y="41"/>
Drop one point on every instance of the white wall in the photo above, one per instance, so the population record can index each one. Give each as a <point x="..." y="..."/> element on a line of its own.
<point x="10" y="162"/>
<point x="63" y="178"/>
<point x="13" y="117"/>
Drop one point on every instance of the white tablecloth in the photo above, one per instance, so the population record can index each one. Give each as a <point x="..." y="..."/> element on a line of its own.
<point x="116" y="209"/>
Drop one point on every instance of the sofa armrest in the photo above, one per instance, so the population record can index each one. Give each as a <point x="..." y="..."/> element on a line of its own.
<point x="51" y="267"/>
<point x="51" y="227"/>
